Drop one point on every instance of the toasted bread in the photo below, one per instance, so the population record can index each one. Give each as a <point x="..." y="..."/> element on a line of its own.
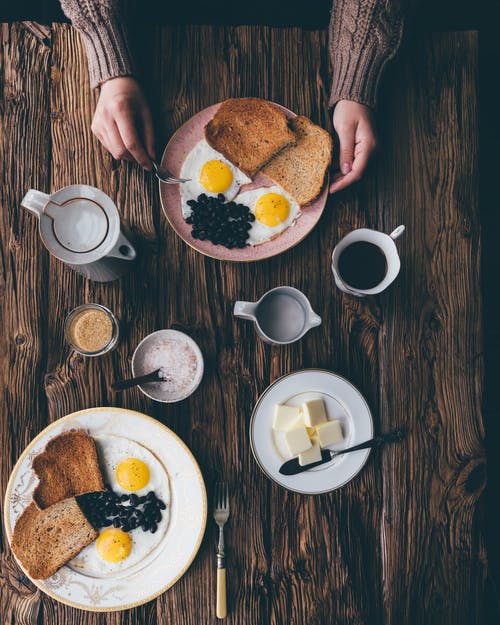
<point x="301" y="168"/>
<point x="249" y="132"/>
<point x="44" y="540"/>
<point x="67" y="467"/>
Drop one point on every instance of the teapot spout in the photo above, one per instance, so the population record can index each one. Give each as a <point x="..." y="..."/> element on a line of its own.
<point x="35" y="201"/>
<point x="245" y="310"/>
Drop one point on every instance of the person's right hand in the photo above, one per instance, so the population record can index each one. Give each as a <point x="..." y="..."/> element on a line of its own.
<point x="122" y="121"/>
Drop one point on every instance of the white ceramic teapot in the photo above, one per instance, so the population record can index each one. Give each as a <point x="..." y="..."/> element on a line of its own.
<point x="80" y="225"/>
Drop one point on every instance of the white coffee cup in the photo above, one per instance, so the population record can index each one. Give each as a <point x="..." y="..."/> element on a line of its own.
<point x="385" y="242"/>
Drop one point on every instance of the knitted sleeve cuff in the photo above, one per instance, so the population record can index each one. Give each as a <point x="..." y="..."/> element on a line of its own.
<point x="357" y="76"/>
<point x="360" y="47"/>
<point x="104" y="36"/>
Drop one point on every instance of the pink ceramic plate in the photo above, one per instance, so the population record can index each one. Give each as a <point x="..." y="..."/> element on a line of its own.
<point x="176" y="151"/>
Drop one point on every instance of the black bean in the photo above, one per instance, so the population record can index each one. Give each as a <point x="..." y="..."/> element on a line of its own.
<point x="133" y="524"/>
<point x="157" y="516"/>
<point x="126" y="527"/>
<point x="106" y="522"/>
<point x="161" y="504"/>
<point x="142" y="499"/>
<point x="153" y="528"/>
<point x="151" y="495"/>
<point x="124" y="497"/>
<point x="116" y="522"/>
<point x="134" y="499"/>
<point x="145" y="527"/>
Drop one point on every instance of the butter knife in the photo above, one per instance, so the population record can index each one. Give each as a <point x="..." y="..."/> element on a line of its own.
<point x="292" y="467"/>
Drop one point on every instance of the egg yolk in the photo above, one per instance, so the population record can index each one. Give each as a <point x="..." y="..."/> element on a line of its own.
<point x="216" y="176"/>
<point x="132" y="474"/>
<point x="113" y="545"/>
<point x="272" y="209"/>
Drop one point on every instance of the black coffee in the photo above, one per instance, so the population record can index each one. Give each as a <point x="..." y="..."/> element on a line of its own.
<point x="362" y="265"/>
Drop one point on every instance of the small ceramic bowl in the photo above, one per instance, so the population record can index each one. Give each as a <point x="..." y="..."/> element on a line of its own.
<point x="72" y="318"/>
<point x="173" y="351"/>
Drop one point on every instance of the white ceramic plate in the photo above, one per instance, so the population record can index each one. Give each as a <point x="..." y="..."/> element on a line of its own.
<point x="343" y="402"/>
<point x="188" y="512"/>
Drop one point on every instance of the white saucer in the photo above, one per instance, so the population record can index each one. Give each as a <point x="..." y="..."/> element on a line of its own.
<point x="343" y="402"/>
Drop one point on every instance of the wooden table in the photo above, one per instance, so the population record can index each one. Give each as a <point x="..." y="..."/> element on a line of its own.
<point x="402" y="543"/>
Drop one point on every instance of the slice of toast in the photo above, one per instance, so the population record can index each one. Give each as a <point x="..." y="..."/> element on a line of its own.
<point x="301" y="168"/>
<point x="67" y="467"/>
<point x="248" y="132"/>
<point x="44" y="540"/>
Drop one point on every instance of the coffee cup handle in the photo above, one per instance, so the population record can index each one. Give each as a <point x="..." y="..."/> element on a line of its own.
<point x="245" y="310"/>
<point x="123" y="249"/>
<point x="397" y="232"/>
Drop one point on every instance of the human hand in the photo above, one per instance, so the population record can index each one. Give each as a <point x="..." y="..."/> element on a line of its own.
<point x="122" y="121"/>
<point x="355" y="128"/>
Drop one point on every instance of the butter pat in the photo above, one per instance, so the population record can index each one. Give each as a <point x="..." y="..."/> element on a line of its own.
<point x="314" y="412"/>
<point x="286" y="417"/>
<point x="329" y="433"/>
<point x="310" y="455"/>
<point x="297" y="440"/>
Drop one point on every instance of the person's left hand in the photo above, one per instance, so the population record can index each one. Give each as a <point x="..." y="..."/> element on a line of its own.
<point x="355" y="128"/>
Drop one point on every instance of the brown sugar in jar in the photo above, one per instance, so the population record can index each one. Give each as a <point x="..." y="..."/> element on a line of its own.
<point x="91" y="329"/>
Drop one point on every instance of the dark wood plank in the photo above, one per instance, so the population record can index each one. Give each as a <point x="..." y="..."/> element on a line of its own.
<point x="431" y="339"/>
<point x="24" y="158"/>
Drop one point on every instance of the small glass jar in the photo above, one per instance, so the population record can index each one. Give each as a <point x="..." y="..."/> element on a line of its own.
<point x="91" y="330"/>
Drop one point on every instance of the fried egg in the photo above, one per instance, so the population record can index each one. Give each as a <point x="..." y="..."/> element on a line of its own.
<point x="274" y="211"/>
<point x="209" y="173"/>
<point x="127" y="467"/>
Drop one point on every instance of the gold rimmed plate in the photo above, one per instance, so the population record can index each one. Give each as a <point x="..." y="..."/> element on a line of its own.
<point x="179" y="146"/>
<point x="187" y="509"/>
<point x="343" y="402"/>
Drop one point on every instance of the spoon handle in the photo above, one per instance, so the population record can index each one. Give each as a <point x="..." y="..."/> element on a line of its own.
<point x="121" y="385"/>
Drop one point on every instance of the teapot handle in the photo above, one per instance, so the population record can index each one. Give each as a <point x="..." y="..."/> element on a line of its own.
<point x="245" y="310"/>
<point x="35" y="201"/>
<point x="123" y="249"/>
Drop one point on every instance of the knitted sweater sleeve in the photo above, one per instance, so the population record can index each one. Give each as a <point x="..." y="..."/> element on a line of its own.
<point x="104" y="36"/>
<point x="363" y="36"/>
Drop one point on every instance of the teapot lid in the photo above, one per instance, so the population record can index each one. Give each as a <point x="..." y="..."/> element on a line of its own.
<point x="80" y="224"/>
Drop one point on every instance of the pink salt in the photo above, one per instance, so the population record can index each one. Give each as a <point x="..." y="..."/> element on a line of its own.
<point x="178" y="364"/>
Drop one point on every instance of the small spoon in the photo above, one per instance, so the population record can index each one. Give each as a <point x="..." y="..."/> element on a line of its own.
<point x="159" y="375"/>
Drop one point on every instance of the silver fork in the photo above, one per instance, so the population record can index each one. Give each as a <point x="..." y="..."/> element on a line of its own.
<point x="221" y="515"/>
<point x="163" y="174"/>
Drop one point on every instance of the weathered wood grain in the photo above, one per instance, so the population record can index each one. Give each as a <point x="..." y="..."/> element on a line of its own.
<point x="432" y="347"/>
<point x="24" y="158"/>
<point x="401" y="542"/>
